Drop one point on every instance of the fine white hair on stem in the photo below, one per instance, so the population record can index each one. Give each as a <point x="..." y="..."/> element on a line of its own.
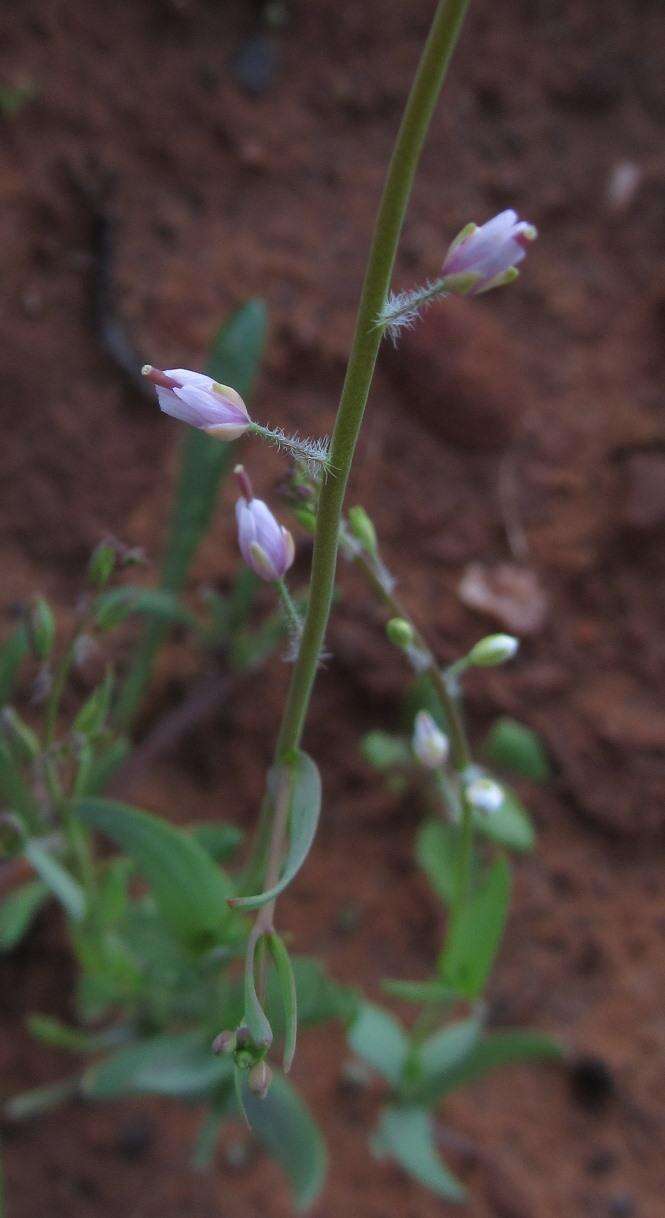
<point x="313" y="454"/>
<point x="402" y="309"/>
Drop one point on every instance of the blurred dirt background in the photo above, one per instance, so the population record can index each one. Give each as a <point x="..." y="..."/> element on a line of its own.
<point x="513" y="459"/>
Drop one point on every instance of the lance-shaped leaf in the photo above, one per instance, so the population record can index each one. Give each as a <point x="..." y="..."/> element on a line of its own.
<point x="61" y="883"/>
<point x="441" y="1054"/>
<point x="476" y="932"/>
<point x="113" y="607"/>
<point x="378" y="1039"/>
<point x="11" y="655"/>
<point x="407" y="1135"/>
<point x="254" y="1016"/>
<point x="190" y="891"/>
<point x="501" y="1049"/>
<point x="514" y="746"/>
<point x="287" y="986"/>
<point x="177" y="1065"/>
<point x="18" y="911"/>
<point x="304" y="810"/>
<point x="284" y="1125"/>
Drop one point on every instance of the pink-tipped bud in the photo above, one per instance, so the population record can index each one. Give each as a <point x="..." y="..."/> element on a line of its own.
<point x="266" y="546"/>
<point x="487" y="257"/>
<point x="259" y="1079"/>
<point x="429" y="743"/>
<point x="196" y="399"/>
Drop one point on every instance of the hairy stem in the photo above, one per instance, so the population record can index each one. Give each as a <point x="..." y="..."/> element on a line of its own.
<point x="411" y="136"/>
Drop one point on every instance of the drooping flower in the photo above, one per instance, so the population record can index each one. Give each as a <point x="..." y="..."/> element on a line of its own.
<point x="429" y="743"/>
<point x="200" y="401"/>
<point x="487" y="256"/>
<point x="266" y="546"/>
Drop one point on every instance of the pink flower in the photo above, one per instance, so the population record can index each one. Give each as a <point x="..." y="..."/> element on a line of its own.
<point x="196" y="399"/>
<point x="265" y="545"/>
<point x="489" y="253"/>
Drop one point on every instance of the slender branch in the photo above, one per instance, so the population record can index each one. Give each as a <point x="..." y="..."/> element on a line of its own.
<point x="460" y="753"/>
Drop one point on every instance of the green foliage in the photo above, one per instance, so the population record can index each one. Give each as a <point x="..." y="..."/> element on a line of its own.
<point x="286" y="1128"/>
<point x="406" y="1134"/>
<point x="190" y="891"/>
<point x="304" y="810"/>
<point x="510" y="745"/>
<point x="172" y="1064"/>
<point x="475" y="933"/>
<point x="19" y="910"/>
<point x="57" y="879"/>
<point x="12" y="654"/>
<point x="287" y="985"/>
<point x="377" y="1038"/>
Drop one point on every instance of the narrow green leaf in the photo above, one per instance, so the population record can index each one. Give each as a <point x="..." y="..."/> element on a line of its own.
<point x="287" y="985"/>
<point x="511" y="745"/>
<point x="61" y="883"/>
<point x="190" y="891"/>
<point x="14" y="790"/>
<point x="501" y="1049"/>
<point x="254" y="1015"/>
<point x="218" y="839"/>
<point x="441" y="1054"/>
<point x="286" y="1128"/>
<point x="104" y="765"/>
<point x="18" y="911"/>
<point x="475" y="934"/>
<point x="377" y="1038"/>
<point x="29" y="1104"/>
<point x="436" y="852"/>
<point x="114" y="606"/>
<point x="434" y="993"/>
<point x="305" y="807"/>
<point x="12" y="653"/>
<point x="176" y="1065"/>
<point x="407" y="1135"/>
<point x="52" y="1031"/>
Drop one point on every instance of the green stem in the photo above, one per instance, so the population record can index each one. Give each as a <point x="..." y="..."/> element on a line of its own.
<point x="410" y="139"/>
<point x="293" y="618"/>
<point x="464" y="859"/>
<point x="382" y="584"/>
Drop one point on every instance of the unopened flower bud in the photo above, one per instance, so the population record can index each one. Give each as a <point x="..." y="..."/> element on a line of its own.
<point x="266" y="546"/>
<point x="200" y="401"/>
<point x="224" y="1042"/>
<point x="259" y="1079"/>
<point x="492" y="650"/>
<point x="400" y="632"/>
<point x="429" y="743"/>
<point x="41" y="628"/>
<point x="484" y="794"/>
<point x="362" y="527"/>
<point x="102" y="562"/>
<point x="487" y="257"/>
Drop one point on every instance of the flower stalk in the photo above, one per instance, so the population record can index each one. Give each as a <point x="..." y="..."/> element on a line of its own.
<point x="420" y="106"/>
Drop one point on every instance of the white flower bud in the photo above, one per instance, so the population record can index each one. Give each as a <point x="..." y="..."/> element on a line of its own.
<point x="429" y="743"/>
<point x="484" y="794"/>
<point x="492" y="650"/>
